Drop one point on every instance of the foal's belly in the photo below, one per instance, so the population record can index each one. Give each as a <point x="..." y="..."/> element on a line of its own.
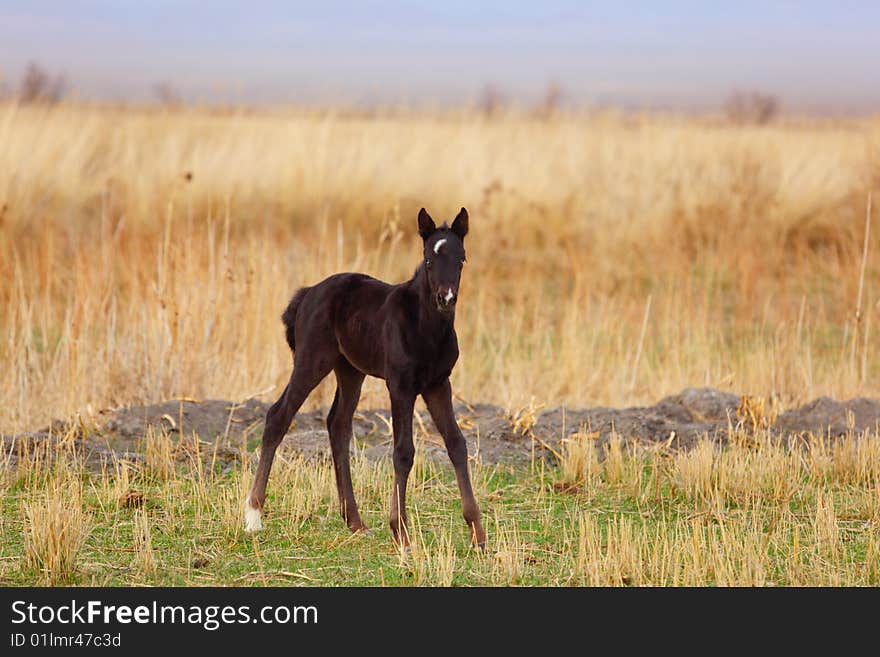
<point x="363" y="364"/>
<point x="362" y="347"/>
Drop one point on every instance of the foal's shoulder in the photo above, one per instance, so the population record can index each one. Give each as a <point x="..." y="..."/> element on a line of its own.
<point x="401" y="303"/>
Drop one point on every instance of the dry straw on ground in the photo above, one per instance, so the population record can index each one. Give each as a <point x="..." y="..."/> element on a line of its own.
<point x="55" y="530"/>
<point x="758" y="512"/>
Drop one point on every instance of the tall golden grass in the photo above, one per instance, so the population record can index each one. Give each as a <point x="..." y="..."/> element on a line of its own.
<point x="147" y="254"/>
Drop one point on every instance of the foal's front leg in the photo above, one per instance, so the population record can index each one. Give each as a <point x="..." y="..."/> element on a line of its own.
<point x="438" y="399"/>
<point x="402" y="404"/>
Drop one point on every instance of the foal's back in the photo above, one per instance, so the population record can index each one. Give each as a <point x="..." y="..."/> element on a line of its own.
<point x="343" y="315"/>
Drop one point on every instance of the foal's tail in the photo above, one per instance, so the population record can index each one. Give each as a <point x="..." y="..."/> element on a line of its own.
<point x="289" y="316"/>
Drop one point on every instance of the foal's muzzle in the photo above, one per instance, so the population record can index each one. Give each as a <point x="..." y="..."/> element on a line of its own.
<point x="446" y="298"/>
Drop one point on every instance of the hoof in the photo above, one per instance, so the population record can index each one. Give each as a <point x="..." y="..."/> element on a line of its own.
<point x="402" y="543"/>
<point x="253" y="518"/>
<point x="478" y="537"/>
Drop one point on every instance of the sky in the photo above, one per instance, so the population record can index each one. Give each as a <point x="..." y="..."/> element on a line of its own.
<point x="813" y="55"/>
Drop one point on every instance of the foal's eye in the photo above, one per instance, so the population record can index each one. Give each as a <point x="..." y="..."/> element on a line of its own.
<point x="428" y="263"/>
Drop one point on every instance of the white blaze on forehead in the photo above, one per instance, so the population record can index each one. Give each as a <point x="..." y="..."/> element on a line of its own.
<point x="438" y="244"/>
<point x="449" y="295"/>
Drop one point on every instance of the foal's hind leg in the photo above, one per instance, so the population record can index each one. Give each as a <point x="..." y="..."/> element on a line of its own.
<point x="348" y="391"/>
<point x="305" y="377"/>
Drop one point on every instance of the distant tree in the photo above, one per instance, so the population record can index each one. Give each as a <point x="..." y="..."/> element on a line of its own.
<point x="166" y="94"/>
<point x="553" y="96"/>
<point x="39" y="86"/>
<point x="751" y="107"/>
<point x="492" y="100"/>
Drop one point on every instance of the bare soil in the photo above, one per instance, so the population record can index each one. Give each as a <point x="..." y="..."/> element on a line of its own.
<point x="224" y="428"/>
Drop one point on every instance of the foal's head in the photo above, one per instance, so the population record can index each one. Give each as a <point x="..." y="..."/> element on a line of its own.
<point x="444" y="257"/>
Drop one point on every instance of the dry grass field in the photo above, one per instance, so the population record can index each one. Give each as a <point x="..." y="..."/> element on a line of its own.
<point x="147" y="254"/>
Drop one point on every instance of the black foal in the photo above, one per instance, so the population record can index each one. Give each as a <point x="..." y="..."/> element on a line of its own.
<point x="356" y="325"/>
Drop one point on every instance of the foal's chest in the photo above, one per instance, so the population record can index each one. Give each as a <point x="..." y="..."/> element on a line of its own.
<point x="435" y="364"/>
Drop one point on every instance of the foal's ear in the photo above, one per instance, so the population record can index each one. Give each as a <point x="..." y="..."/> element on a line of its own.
<point x="460" y="225"/>
<point x="426" y="224"/>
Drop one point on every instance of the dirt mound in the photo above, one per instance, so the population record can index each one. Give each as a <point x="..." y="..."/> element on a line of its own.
<point x="211" y="419"/>
<point x="494" y="435"/>
<point x="685" y="417"/>
<point x="833" y="418"/>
